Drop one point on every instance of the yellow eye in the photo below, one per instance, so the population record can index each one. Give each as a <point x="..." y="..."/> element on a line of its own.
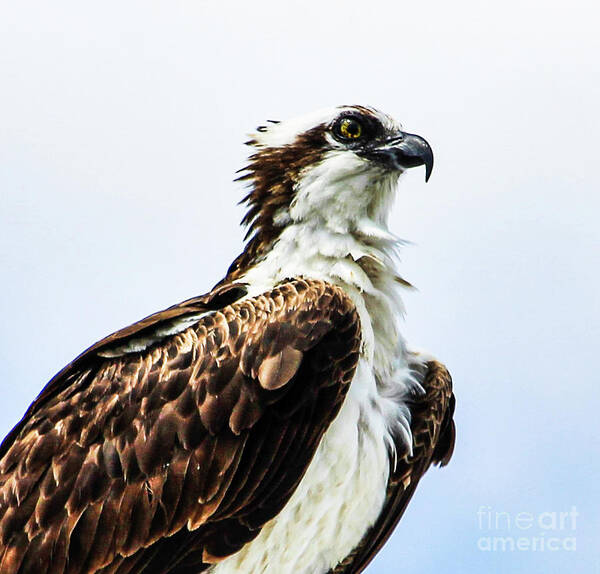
<point x="350" y="128"/>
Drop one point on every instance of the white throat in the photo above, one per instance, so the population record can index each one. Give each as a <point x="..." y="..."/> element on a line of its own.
<point x="336" y="230"/>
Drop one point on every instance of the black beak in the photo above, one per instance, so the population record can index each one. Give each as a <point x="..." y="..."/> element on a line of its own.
<point x="412" y="151"/>
<point x="404" y="151"/>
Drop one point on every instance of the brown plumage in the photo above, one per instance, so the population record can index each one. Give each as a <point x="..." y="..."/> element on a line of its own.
<point x="272" y="174"/>
<point x="166" y="459"/>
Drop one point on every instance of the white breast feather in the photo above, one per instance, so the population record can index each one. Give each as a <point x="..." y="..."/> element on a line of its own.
<point x="343" y="490"/>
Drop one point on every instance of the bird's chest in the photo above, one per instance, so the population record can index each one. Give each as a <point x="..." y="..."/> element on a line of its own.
<point x="338" y="499"/>
<point x="343" y="490"/>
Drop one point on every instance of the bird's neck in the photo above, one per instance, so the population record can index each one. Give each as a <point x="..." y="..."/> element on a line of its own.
<point x="352" y="248"/>
<point x="328" y="216"/>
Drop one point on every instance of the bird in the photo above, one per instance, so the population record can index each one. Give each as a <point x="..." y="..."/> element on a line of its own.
<point x="279" y="423"/>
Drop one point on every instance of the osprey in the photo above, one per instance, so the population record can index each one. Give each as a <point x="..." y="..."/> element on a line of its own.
<point x="278" y="424"/>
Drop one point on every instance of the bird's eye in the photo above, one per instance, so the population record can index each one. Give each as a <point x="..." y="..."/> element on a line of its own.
<point x="349" y="129"/>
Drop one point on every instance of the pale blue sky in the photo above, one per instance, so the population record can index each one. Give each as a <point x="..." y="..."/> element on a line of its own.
<point x="121" y="127"/>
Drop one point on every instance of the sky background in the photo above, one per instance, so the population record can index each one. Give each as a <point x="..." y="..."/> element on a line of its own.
<point x="121" y="127"/>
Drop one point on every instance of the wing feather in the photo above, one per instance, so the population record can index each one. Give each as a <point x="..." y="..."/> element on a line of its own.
<point x="169" y="444"/>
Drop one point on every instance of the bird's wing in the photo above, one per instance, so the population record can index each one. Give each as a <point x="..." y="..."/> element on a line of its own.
<point x="158" y="452"/>
<point x="433" y="433"/>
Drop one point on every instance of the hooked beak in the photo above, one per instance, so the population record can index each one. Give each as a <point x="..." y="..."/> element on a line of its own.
<point x="404" y="151"/>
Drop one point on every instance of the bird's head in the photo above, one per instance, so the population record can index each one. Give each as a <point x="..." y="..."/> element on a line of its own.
<point x="333" y="167"/>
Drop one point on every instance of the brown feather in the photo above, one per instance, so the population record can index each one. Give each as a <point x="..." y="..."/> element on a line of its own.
<point x="276" y="371"/>
<point x="272" y="174"/>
